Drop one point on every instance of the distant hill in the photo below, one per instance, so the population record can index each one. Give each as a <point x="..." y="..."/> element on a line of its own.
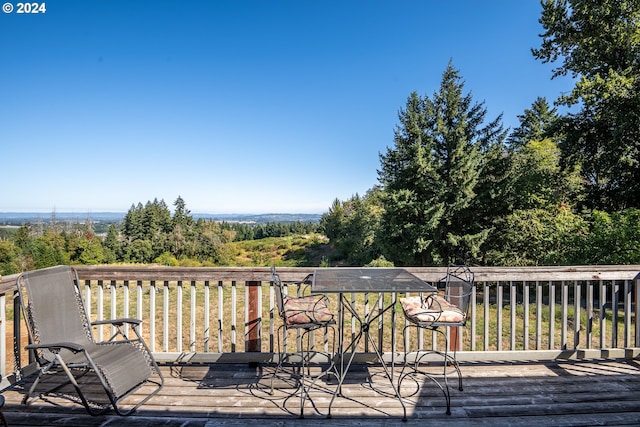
<point x="261" y="218"/>
<point x="19" y="218"/>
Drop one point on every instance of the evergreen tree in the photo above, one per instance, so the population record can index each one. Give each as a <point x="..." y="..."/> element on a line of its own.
<point x="183" y="233"/>
<point x="133" y="224"/>
<point x="331" y="221"/>
<point x="112" y="245"/>
<point x="157" y="222"/>
<point x="430" y="177"/>
<point x="182" y="215"/>
<point x="535" y="123"/>
<point x="146" y="230"/>
<point x="49" y="250"/>
<point x="24" y="237"/>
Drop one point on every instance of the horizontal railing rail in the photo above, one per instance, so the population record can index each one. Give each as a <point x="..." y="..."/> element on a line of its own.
<point x="220" y="314"/>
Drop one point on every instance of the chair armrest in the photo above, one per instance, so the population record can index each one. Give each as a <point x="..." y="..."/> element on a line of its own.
<point x="319" y="297"/>
<point x="120" y="333"/>
<point x="56" y="346"/>
<point x="118" y="322"/>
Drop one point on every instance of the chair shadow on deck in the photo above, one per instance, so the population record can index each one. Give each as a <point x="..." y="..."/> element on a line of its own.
<point x="363" y="394"/>
<point x="256" y="381"/>
<point x="55" y="389"/>
<point x="497" y="393"/>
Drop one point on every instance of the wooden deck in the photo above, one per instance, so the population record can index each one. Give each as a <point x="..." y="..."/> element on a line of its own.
<point x="595" y="392"/>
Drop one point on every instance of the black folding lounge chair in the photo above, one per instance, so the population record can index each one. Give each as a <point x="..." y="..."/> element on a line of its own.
<point x="62" y="341"/>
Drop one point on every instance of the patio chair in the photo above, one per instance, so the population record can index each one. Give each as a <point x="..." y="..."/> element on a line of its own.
<point x="62" y="342"/>
<point x="304" y="314"/>
<point x="438" y="313"/>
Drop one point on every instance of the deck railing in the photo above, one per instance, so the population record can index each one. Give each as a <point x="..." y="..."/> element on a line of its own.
<point x="228" y="314"/>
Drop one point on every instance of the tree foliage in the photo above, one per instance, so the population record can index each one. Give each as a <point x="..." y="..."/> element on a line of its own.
<point x="539" y="182"/>
<point x="352" y="227"/>
<point x="536" y="237"/>
<point x="148" y="233"/>
<point x="535" y="123"/>
<point x="613" y="238"/>
<point x="9" y="257"/>
<point x="431" y="175"/>
<point x="598" y="43"/>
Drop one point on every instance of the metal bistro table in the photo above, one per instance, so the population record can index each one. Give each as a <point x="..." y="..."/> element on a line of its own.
<point x="347" y="280"/>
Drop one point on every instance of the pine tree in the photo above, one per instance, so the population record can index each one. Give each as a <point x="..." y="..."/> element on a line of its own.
<point x="535" y="123"/>
<point x="184" y="233"/>
<point x="132" y="225"/>
<point x="431" y="175"/>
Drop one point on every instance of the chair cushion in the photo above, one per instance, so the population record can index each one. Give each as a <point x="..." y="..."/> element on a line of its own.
<point x="309" y="309"/>
<point x="431" y="309"/>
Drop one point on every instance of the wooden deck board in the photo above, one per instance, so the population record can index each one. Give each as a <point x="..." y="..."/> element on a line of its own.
<point x="598" y="392"/>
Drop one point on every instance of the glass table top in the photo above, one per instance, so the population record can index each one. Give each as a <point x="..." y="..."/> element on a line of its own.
<point x="352" y="279"/>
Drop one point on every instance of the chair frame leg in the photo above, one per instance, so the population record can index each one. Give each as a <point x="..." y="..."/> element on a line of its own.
<point x="305" y="366"/>
<point x="413" y="367"/>
<point x="58" y="362"/>
<point x="306" y="355"/>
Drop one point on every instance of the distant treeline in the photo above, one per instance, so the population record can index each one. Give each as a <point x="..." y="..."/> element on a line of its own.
<point x="148" y="234"/>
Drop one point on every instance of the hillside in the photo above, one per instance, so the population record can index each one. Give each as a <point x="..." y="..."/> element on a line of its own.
<point x="293" y="251"/>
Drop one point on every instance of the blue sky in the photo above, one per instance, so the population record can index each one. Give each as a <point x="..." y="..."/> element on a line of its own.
<point x="238" y="106"/>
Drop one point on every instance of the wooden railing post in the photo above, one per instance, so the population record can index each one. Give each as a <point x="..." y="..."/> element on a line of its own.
<point x="254" y="318"/>
<point x="455" y="294"/>
<point x="454" y="338"/>
<point x="637" y="311"/>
